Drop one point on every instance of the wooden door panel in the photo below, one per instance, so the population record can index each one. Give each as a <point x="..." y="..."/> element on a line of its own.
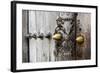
<point x="52" y="24"/>
<point x="84" y="51"/>
<point x="25" y="57"/>
<point x="32" y="41"/>
<point x="42" y="49"/>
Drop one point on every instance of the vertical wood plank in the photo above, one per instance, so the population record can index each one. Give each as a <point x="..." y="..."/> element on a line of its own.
<point x="52" y="23"/>
<point x="39" y="21"/>
<point x="46" y="42"/>
<point x="85" y="24"/>
<point x="87" y="50"/>
<point x="32" y="41"/>
<point x="24" y="40"/>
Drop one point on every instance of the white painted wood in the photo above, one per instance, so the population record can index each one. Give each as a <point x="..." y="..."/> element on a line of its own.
<point x="32" y="42"/>
<point x="46" y="42"/>
<point x="39" y="22"/>
<point x="53" y="24"/>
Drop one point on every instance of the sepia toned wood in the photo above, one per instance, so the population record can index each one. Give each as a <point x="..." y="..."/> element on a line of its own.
<point x="32" y="41"/>
<point x="87" y="31"/>
<point x="84" y="51"/>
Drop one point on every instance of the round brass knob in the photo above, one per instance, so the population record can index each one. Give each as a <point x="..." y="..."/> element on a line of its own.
<point x="57" y="36"/>
<point x="80" y="39"/>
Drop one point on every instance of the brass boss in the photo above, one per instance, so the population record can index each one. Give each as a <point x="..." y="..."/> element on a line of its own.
<point x="80" y="39"/>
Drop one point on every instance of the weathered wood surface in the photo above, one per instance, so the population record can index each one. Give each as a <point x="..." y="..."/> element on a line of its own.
<point x="32" y="41"/>
<point x="84" y="51"/>
<point x="24" y="40"/>
<point x="42" y="50"/>
<point x="52" y="22"/>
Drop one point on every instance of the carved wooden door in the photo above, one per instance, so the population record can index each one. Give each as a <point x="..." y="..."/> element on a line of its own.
<point x="55" y="36"/>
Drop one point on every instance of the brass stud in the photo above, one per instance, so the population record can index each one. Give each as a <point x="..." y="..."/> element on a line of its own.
<point x="80" y="39"/>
